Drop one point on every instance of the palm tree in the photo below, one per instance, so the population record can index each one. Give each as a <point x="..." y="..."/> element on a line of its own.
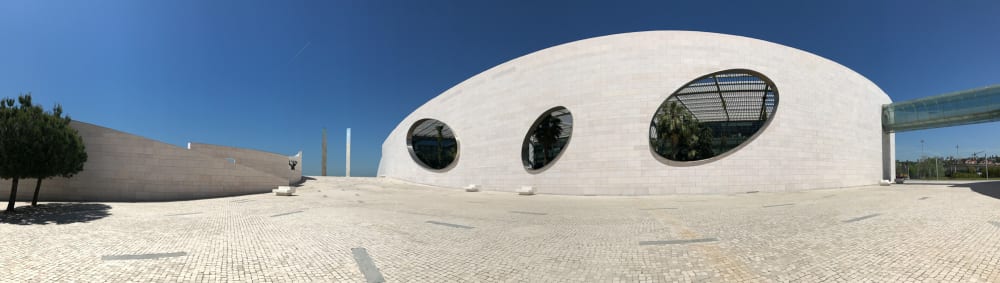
<point x="547" y="134"/>
<point x="440" y="146"/>
<point x="680" y="136"/>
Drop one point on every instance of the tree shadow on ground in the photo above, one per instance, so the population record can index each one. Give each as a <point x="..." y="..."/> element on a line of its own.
<point x="302" y="181"/>
<point x="56" y="213"/>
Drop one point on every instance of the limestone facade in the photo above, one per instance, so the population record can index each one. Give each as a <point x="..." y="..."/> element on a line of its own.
<point x="825" y="133"/>
<point x="126" y="167"/>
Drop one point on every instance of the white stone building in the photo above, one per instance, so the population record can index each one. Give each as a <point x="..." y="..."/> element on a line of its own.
<point x="783" y="119"/>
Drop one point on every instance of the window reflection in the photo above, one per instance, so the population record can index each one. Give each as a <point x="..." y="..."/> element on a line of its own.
<point x="712" y="115"/>
<point x="432" y="144"/>
<point x="547" y="138"/>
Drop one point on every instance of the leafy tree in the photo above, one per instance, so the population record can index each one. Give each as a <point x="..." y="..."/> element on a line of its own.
<point x="440" y="146"/>
<point x="680" y="136"/>
<point x="547" y="134"/>
<point x="20" y="129"/>
<point x="36" y="144"/>
<point x="63" y="150"/>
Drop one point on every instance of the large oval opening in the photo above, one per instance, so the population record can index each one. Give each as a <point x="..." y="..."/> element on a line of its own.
<point x="547" y="138"/>
<point x="712" y="116"/>
<point x="432" y="145"/>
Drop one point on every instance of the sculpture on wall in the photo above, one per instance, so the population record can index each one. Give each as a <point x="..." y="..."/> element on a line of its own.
<point x="292" y="163"/>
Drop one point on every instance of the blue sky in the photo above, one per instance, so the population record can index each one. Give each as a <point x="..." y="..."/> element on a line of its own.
<point x="270" y="75"/>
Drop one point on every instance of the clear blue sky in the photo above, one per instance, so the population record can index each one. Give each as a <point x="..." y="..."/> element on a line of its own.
<point x="270" y="74"/>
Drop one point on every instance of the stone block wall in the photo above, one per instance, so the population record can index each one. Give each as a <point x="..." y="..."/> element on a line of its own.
<point x="128" y="168"/>
<point x="825" y="133"/>
<point x="271" y="163"/>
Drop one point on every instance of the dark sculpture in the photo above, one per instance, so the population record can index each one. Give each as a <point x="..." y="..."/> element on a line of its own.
<point x="292" y="163"/>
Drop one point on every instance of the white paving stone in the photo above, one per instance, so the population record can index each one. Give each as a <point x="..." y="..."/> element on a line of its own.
<point x="920" y="232"/>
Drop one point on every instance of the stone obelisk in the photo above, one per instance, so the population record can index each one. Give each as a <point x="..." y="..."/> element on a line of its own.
<point x="324" y="151"/>
<point x="348" y="171"/>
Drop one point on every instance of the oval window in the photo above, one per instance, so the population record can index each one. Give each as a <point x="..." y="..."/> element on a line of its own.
<point x="712" y="115"/>
<point x="432" y="144"/>
<point x="547" y="138"/>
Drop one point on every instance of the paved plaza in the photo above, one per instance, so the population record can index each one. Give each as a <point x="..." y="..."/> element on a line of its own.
<point x="404" y="232"/>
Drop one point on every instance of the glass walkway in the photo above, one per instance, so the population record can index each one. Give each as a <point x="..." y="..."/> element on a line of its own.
<point x="972" y="106"/>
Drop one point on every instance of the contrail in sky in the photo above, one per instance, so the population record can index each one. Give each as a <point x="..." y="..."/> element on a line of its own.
<point x="298" y="53"/>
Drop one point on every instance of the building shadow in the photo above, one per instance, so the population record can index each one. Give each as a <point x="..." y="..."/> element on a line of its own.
<point x="56" y="213"/>
<point x="990" y="189"/>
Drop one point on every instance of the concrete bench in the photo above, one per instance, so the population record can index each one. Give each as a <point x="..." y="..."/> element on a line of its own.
<point x="284" y="190"/>
<point x="526" y="190"/>
<point x="472" y="188"/>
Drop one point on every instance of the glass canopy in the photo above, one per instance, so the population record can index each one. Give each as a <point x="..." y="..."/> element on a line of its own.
<point x="712" y="115"/>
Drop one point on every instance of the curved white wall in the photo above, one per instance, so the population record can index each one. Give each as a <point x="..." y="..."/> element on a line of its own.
<point x="126" y="167"/>
<point x="826" y="131"/>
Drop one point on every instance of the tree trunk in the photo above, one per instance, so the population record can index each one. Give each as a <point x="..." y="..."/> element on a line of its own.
<point x="38" y="186"/>
<point x="13" y="196"/>
<point x="545" y="156"/>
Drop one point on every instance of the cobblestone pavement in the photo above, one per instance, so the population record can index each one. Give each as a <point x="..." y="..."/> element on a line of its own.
<point x="415" y="233"/>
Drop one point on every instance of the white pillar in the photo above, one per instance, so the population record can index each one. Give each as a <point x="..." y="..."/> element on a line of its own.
<point x="888" y="156"/>
<point x="348" y="171"/>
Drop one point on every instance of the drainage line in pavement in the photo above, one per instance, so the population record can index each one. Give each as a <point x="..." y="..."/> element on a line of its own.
<point x="861" y="218"/>
<point x="142" y="256"/>
<point x="777" y="205"/>
<point x="450" y="225"/>
<point x="528" y="212"/>
<point x="179" y="214"/>
<point x="673" y="242"/>
<point x="367" y="266"/>
<point x="286" y="213"/>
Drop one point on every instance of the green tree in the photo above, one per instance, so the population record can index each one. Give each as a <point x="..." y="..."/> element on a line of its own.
<point x="63" y="151"/>
<point x="20" y="129"/>
<point x="440" y="146"/>
<point x="36" y="144"/>
<point x="547" y="134"/>
<point x="680" y="136"/>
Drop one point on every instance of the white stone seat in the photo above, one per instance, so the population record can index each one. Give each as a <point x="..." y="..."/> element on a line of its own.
<point x="526" y="190"/>
<point x="284" y="190"/>
<point x="472" y="188"/>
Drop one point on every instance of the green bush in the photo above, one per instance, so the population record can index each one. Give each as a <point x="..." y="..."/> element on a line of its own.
<point x="965" y="175"/>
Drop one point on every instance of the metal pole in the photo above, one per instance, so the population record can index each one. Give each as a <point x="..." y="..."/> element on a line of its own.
<point x="975" y="161"/>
